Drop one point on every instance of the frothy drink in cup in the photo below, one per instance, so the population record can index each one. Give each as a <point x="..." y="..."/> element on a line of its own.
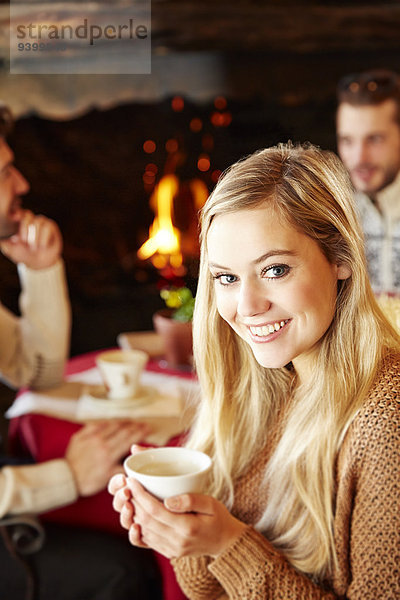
<point x="166" y="469"/>
<point x="169" y="471"/>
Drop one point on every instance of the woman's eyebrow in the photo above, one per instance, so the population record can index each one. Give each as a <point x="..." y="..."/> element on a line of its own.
<point x="256" y="261"/>
<point x="277" y="252"/>
<point x="216" y="266"/>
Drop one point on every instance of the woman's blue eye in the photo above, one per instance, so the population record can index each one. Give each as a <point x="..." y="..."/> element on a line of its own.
<point x="276" y="271"/>
<point x="225" y="279"/>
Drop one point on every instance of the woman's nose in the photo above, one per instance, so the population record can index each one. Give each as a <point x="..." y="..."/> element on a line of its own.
<point x="252" y="300"/>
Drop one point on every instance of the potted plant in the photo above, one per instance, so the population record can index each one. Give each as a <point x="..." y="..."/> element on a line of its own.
<point x="174" y="325"/>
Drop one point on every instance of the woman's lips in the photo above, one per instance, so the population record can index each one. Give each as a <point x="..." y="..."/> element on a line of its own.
<point x="268" y="332"/>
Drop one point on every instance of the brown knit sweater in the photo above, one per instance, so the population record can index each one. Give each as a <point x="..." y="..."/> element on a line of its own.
<point x="366" y="522"/>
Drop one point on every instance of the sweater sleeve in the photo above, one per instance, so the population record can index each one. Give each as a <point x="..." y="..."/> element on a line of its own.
<point x="195" y="580"/>
<point x="35" y="346"/>
<point x="36" y="488"/>
<point x="250" y="569"/>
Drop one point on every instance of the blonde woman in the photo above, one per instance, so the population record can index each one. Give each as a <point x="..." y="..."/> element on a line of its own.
<point x="300" y="378"/>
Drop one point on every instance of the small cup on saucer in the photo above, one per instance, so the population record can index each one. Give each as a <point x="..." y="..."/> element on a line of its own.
<point x="169" y="471"/>
<point x="121" y="371"/>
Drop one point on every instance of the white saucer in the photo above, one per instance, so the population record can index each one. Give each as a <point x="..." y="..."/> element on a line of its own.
<point x="98" y="394"/>
<point x="93" y="403"/>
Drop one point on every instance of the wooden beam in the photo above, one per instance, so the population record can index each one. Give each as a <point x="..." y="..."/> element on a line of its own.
<point x="290" y="27"/>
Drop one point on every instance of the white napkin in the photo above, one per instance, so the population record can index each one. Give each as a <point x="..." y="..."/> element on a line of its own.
<point x="162" y="402"/>
<point x="60" y="401"/>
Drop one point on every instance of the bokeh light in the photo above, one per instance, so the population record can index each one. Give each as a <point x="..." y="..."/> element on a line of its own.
<point x="177" y="104"/>
<point x="149" y="146"/>
<point x="215" y="175"/>
<point x="196" y="125"/>
<point x="203" y="163"/>
<point x="171" y="145"/>
<point x="220" y="103"/>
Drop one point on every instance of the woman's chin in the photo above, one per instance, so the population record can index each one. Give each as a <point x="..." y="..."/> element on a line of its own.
<point x="271" y="362"/>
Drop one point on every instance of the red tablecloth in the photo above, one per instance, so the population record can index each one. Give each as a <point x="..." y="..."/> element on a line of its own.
<point x="45" y="438"/>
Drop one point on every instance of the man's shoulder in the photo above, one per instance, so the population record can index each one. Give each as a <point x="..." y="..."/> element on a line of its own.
<point x="364" y="204"/>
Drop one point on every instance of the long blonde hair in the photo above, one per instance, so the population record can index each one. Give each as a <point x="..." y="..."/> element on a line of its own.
<point x="240" y="399"/>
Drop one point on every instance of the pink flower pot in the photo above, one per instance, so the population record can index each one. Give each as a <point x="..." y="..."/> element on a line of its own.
<point x="177" y="337"/>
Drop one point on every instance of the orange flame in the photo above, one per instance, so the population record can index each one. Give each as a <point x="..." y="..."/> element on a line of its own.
<point x="163" y="244"/>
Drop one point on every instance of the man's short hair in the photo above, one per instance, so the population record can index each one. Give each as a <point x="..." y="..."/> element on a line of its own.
<point x="6" y="120"/>
<point x="370" y="87"/>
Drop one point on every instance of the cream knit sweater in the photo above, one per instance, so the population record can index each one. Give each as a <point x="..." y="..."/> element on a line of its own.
<point x="33" y="351"/>
<point x="35" y="346"/>
<point x="366" y="522"/>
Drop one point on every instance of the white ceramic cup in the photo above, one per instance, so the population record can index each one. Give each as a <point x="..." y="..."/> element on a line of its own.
<point x="121" y="371"/>
<point x="169" y="471"/>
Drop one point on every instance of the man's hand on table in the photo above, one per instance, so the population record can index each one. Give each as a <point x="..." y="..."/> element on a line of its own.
<point x="94" y="452"/>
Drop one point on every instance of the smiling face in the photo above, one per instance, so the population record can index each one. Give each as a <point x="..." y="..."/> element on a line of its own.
<point x="273" y="285"/>
<point x="368" y="140"/>
<point x="12" y="185"/>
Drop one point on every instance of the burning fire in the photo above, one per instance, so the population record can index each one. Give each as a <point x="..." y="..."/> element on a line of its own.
<point x="163" y="245"/>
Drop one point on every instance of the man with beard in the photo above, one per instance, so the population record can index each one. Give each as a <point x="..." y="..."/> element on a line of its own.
<point x="368" y="142"/>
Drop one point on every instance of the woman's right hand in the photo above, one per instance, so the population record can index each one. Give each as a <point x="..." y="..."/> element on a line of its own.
<point x="185" y="525"/>
<point x="118" y="487"/>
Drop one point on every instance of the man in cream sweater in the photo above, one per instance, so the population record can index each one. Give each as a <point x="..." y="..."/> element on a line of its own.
<point x="33" y="348"/>
<point x="33" y="351"/>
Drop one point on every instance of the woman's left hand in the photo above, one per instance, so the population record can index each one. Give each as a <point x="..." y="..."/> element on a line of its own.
<point x="186" y="525"/>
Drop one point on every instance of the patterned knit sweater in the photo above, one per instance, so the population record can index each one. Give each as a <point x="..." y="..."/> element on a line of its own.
<point x="366" y="521"/>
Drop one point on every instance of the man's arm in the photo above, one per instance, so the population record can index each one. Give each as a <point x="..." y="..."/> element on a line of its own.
<point x="34" y="347"/>
<point x="93" y="456"/>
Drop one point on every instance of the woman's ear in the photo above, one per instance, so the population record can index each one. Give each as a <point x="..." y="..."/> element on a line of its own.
<point x="343" y="271"/>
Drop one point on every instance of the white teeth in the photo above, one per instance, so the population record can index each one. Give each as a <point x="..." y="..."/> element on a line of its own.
<point x="267" y="329"/>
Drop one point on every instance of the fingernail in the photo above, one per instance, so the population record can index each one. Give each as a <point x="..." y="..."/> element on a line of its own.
<point x="120" y="479"/>
<point x="31" y="234"/>
<point x="173" y="503"/>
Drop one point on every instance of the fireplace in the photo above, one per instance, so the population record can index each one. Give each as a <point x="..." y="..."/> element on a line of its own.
<point x="125" y="186"/>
